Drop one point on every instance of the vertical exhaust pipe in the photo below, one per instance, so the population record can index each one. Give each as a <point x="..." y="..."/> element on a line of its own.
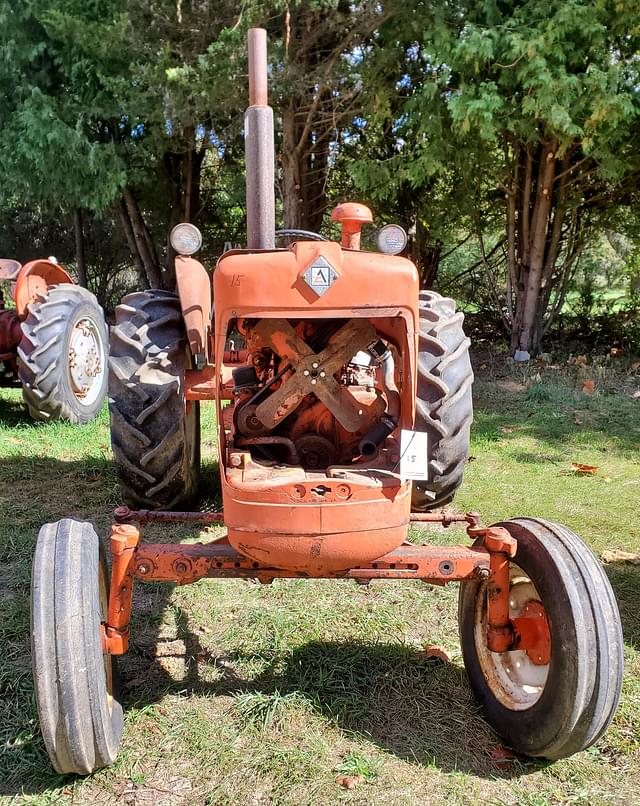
<point x="259" y="148"/>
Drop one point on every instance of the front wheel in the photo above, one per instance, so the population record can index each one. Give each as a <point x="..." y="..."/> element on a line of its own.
<point x="74" y="681"/>
<point x="63" y="355"/>
<point x="553" y="706"/>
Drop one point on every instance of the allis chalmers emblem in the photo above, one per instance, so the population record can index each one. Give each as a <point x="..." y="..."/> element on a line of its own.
<point x="320" y="275"/>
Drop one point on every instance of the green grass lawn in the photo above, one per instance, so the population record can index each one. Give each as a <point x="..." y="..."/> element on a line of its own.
<point x="238" y="693"/>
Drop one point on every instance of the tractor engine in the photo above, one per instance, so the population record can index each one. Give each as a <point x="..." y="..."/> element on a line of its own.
<point x="313" y="393"/>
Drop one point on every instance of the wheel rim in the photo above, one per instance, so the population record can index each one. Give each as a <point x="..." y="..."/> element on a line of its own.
<point x="515" y="681"/>
<point x="106" y="658"/>
<point x="86" y="361"/>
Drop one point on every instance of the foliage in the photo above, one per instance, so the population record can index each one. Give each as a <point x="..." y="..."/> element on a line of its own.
<point x="533" y="113"/>
<point x="441" y="115"/>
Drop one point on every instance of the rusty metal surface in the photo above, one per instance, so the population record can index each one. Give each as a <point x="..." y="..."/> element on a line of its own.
<point x="314" y="371"/>
<point x="446" y="518"/>
<point x="352" y="216"/>
<point x="142" y="516"/>
<point x="124" y="514"/>
<point x="10" y="332"/>
<point x="283" y="441"/>
<point x="194" y="291"/>
<point x="501" y="546"/>
<point x="33" y="280"/>
<point x="531" y="634"/>
<point x="115" y="633"/>
<point x="183" y="564"/>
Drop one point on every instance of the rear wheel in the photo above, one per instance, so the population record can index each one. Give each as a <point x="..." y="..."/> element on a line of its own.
<point x="155" y="432"/>
<point x="556" y="708"/>
<point x="75" y="682"/>
<point x="63" y="355"/>
<point x="444" y="408"/>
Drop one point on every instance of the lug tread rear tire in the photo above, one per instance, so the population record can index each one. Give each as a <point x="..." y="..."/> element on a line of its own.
<point x="43" y="354"/>
<point x="587" y="655"/>
<point x="444" y="406"/>
<point x="81" y="732"/>
<point x="155" y="442"/>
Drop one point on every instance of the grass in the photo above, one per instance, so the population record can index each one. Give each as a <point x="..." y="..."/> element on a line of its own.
<point x="245" y="694"/>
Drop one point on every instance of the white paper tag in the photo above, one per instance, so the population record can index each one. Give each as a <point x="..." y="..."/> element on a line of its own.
<point x="414" y="455"/>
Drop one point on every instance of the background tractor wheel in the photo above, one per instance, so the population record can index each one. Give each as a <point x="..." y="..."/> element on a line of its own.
<point x="80" y="714"/>
<point x="444" y="408"/>
<point x="63" y="354"/>
<point x="561" y="707"/>
<point x="155" y="433"/>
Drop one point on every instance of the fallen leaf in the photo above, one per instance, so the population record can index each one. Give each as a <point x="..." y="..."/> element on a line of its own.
<point x="618" y="556"/>
<point x="615" y="352"/>
<point x="434" y="651"/>
<point x="588" y="387"/>
<point x="581" y="360"/>
<point x="606" y="480"/>
<point x="506" y="430"/>
<point x="636" y="394"/>
<point x="484" y="366"/>
<point x="349" y="781"/>
<point x="500" y="753"/>
<point x="584" y="470"/>
<point x="578" y="420"/>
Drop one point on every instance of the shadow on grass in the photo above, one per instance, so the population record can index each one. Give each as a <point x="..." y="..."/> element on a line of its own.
<point x="417" y="708"/>
<point x="14" y="412"/>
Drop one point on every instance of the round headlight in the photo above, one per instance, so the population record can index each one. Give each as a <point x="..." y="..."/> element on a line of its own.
<point x="392" y="239"/>
<point x="186" y="239"/>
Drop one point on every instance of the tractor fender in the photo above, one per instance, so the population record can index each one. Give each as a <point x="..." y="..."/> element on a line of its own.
<point x="194" y="290"/>
<point x="33" y="280"/>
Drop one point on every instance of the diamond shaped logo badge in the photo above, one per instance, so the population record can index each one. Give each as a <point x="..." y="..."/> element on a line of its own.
<point x="320" y="275"/>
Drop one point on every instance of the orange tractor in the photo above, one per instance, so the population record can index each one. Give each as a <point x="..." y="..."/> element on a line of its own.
<point x="54" y="343"/>
<point x="343" y="399"/>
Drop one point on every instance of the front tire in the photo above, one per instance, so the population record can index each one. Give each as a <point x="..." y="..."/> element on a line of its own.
<point x="562" y="707"/>
<point x="444" y="408"/>
<point x="75" y="682"/>
<point x="63" y="355"/>
<point x="155" y="432"/>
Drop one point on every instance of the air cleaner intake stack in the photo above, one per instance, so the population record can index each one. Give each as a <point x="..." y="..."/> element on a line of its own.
<point x="259" y="148"/>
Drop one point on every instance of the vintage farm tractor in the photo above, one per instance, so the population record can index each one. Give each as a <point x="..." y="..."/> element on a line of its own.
<point x="343" y="401"/>
<point x="54" y="342"/>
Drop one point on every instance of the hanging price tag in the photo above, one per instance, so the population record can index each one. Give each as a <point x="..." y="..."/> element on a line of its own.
<point x="414" y="455"/>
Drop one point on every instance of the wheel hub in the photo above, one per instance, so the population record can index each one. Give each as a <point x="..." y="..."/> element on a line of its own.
<point x="86" y="361"/>
<point x="516" y="679"/>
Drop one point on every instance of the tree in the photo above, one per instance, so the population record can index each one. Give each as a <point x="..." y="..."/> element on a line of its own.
<point x="538" y="105"/>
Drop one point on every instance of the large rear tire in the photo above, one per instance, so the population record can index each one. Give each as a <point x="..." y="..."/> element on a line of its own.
<point x="63" y="355"/>
<point x="549" y="710"/>
<point x="444" y="407"/>
<point x="75" y="682"/>
<point x="155" y="432"/>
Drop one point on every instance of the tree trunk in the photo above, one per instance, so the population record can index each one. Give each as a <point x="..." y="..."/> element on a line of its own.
<point x="125" y="223"/>
<point x="81" y="267"/>
<point x="536" y="212"/>
<point x="139" y="239"/>
<point x="291" y="201"/>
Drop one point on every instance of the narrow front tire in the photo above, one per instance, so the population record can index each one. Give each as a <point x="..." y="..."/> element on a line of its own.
<point x="555" y="709"/>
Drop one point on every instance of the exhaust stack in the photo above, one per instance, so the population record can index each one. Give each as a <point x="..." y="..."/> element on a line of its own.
<point x="259" y="148"/>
